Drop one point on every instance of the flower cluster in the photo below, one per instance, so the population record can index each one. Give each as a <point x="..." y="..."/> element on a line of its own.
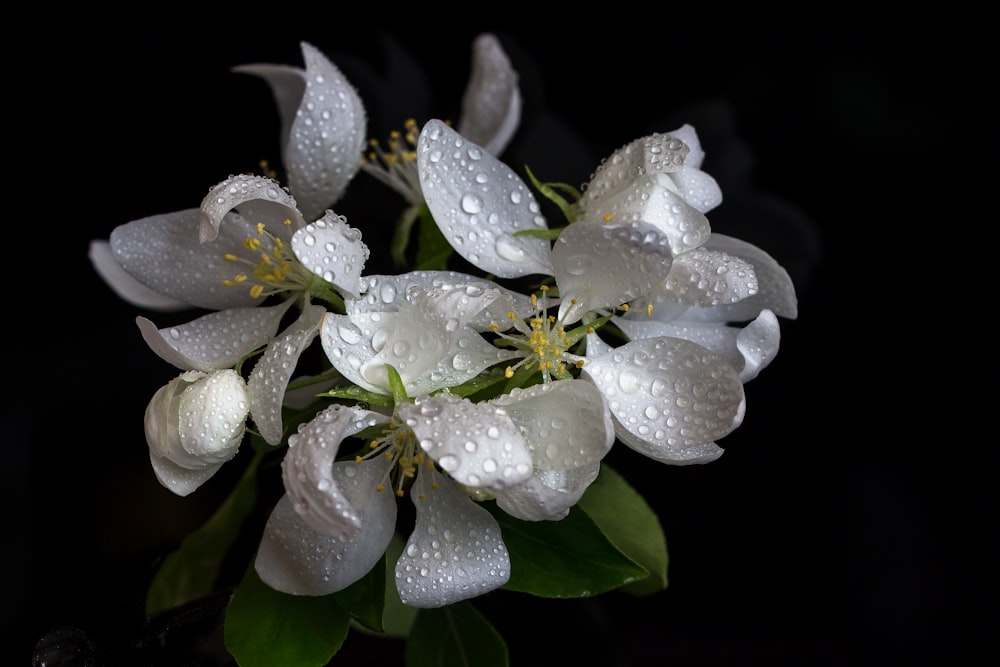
<point x="489" y="395"/>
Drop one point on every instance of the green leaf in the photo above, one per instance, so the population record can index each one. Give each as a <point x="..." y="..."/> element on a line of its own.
<point x="433" y="249"/>
<point x="265" y="627"/>
<point x="631" y="525"/>
<point x="190" y="572"/>
<point x="471" y="388"/>
<point x="365" y="598"/>
<point x="570" y="558"/>
<point x="455" y="636"/>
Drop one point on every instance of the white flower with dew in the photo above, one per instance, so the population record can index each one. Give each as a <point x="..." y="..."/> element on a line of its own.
<point x="194" y="424"/>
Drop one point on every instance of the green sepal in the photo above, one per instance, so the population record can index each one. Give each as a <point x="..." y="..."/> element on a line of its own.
<point x="401" y="237"/>
<point x="365" y="598"/>
<point x="265" y="627"/>
<point x="631" y="525"/>
<point x="191" y="571"/>
<point x="396" y="384"/>
<point x="569" y="558"/>
<point x="477" y="388"/>
<point x="455" y="636"/>
<point x="360" y="395"/>
<point x="433" y="249"/>
<point x="550" y="192"/>
<point x="547" y="234"/>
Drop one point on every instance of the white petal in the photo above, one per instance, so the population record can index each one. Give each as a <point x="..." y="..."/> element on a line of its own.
<point x="216" y="340"/>
<point x="423" y="332"/>
<point x="656" y="153"/>
<point x="549" y="494"/>
<point x="334" y="251"/>
<point x="307" y="470"/>
<point x="163" y="252"/>
<point x="688" y="134"/>
<point x="213" y="414"/>
<point x="775" y="291"/>
<point x="653" y="198"/>
<point x="327" y="137"/>
<point x="566" y="424"/>
<point x="288" y="85"/>
<point x="127" y="287"/>
<point x="670" y="398"/>
<point x="455" y="551"/>
<point x="295" y="559"/>
<point x="704" y="278"/>
<point x="698" y="188"/>
<point x="758" y="342"/>
<point x="603" y="265"/>
<point x="476" y="443"/>
<point x="718" y="337"/>
<point x="389" y="292"/>
<point x="491" y="105"/>
<point x="269" y="378"/>
<point x="162" y="439"/>
<point x="259" y="199"/>
<point x="479" y="203"/>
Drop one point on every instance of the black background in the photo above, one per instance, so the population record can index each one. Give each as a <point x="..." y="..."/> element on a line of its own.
<point x="850" y="520"/>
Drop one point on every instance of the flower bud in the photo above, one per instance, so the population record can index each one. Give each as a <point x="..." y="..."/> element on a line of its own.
<point x="194" y="424"/>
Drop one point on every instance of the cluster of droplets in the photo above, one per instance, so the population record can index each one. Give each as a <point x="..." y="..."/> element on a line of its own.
<point x="276" y="271"/>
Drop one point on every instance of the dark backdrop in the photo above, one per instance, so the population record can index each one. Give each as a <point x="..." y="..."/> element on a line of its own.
<point x="850" y="520"/>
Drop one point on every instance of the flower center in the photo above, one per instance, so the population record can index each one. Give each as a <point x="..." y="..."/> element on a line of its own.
<point x="396" y="164"/>
<point x="276" y="271"/>
<point x="543" y="341"/>
<point x="399" y="444"/>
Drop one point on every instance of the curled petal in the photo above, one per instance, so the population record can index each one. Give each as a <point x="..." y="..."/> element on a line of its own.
<point x="670" y="398"/>
<point x="476" y="443"/>
<point x="653" y="198"/>
<point x="334" y="251"/>
<point x="491" y="106"/>
<point x="193" y="425"/>
<point x="163" y="252"/>
<point x="603" y="265"/>
<point x="698" y="188"/>
<point x="758" y="343"/>
<point x="704" y="278"/>
<point x="216" y="340"/>
<point x="127" y="287"/>
<point x="307" y="470"/>
<point x="775" y="291"/>
<point x="295" y="559"/>
<point x="269" y="378"/>
<point x="656" y="153"/>
<point x="479" y="203"/>
<point x="566" y="424"/>
<point x="259" y="199"/>
<point x="549" y="494"/>
<point x="455" y="551"/>
<point x="389" y="292"/>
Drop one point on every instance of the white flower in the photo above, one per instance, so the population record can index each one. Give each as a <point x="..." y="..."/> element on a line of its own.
<point x="535" y="450"/>
<point x="194" y="424"/>
<point x="670" y="398"/>
<point x="247" y="242"/>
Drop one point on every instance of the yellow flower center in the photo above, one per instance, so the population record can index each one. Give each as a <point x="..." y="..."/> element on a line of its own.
<point x="276" y="271"/>
<point x="543" y="341"/>
<point x="399" y="444"/>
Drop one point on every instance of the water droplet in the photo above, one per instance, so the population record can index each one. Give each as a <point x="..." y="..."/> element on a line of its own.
<point x="472" y="203"/>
